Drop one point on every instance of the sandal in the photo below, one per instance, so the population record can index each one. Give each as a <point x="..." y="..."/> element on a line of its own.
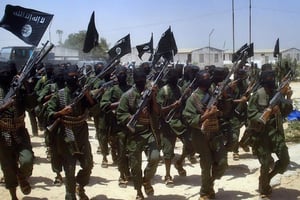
<point x="58" y="180"/>
<point x="139" y="196"/>
<point x="168" y="181"/>
<point x="180" y="170"/>
<point x="25" y="186"/>
<point x="148" y="188"/>
<point x="122" y="182"/>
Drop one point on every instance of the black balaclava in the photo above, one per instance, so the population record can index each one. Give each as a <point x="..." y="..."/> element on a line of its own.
<point x="203" y="79"/>
<point x="172" y="77"/>
<point x="139" y="78"/>
<point x="267" y="79"/>
<point x="7" y="73"/>
<point x="219" y="74"/>
<point x="121" y="73"/>
<point x="146" y="67"/>
<point x="58" y="76"/>
<point x="71" y="77"/>
<point x="49" y="70"/>
<point x="98" y="68"/>
<point x="240" y="75"/>
<point x="190" y="72"/>
<point x="179" y="69"/>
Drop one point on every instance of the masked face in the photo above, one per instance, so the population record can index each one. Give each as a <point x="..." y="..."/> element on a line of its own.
<point x="72" y="81"/>
<point x="204" y="81"/>
<point x="269" y="84"/>
<point x="140" y="84"/>
<point x="268" y="79"/>
<point x="122" y="77"/>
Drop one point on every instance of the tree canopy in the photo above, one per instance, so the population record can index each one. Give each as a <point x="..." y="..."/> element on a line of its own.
<point x="76" y="41"/>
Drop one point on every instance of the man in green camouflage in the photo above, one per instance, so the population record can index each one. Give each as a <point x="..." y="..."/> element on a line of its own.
<point x="16" y="156"/>
<point x="50" y="138"/>
<point x="73" y="137"/>
<point x="207" y="139"/>
<point x="169" y="99"/>
<point x="109" y="103"/>
<point x="268" y="136"/>
<point x="143" y="139"/>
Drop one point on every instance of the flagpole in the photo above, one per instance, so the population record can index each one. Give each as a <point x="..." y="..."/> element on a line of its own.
<point x="233" y="50"/>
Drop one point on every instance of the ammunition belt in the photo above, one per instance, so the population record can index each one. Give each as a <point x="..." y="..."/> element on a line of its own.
<point x="70" y="121"/>
<point x="12" y="124"/>
<point x="210" y="125"/>
<point x="144" y="121"/>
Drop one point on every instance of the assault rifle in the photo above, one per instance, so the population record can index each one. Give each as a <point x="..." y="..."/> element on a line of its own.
<point x="220" y="88"/>
<point x="145" y="99"/>
<point x="99" y="91"/>
<point x="276" y="98"/>
<point x="183" y="97"/>
<point x="86" y="88"/>
<point x="35" y="59"/>
<point x="251" y="87"/>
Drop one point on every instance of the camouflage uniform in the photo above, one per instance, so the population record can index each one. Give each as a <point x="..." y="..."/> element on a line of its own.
<point x="16" y="155"/>
<point x="142" y="140"/>
<point x="213" y="155"/>
<point x="173" y="129"/>
<point x="72" y="136"/>
<point x="50" y="138"/>
<point x="113" y="95"/>
<point x="269" y="138"/>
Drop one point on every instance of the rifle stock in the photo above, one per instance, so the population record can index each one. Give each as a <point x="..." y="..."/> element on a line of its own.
<point x="87" y="87"/>
<point x="34" y="60"/>
<point x="144" y="100"/>
<point x="183" y="97"/>
<point x="264" y="118"/>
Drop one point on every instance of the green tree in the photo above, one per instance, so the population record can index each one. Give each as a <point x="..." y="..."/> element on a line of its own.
<point x="76" y="41"/>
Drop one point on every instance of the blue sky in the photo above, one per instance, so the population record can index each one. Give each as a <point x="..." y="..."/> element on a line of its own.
<point x="191" y="21"/>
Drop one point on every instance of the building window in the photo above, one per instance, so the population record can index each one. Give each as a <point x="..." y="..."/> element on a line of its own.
<point x="216" y="58"/>
<point x="266" y="59"/>
<point x="298" y="56"/>
<point x="288" y="56"/>
<point x="201" y="58"/>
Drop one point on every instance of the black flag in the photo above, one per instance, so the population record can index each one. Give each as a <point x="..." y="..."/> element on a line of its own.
<point x="146" y="47"/>
<point x="91" y="37"/>
<point x="29" y="25"/>
<point x="167" y="47"/>
<point x="276" y="49"/>
<point x="121" y="48"/>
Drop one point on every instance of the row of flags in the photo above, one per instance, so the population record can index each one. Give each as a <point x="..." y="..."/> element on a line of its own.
<point x="30" y="25"/>
<point x="166" y="48"/>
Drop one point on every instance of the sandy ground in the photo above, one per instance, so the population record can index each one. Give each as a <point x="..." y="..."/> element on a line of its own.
<point x="239" y="182"/>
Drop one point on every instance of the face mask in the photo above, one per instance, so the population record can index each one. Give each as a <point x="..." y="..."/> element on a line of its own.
<point x="140" y="85"/>
<point x="269" y="84"/>
<point x="97" y="71"/>
<point x="72" y="82"/>
<point x="122" y="79"/>
<point x="205" y="83"/>
<point x="172" y="81"/>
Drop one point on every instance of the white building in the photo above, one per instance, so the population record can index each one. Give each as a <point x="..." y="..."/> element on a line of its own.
<point x="213" y="56"/>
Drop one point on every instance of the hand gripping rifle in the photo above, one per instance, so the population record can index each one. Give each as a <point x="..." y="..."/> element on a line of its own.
<point x="35" y="59"/>
<point x="183" y="97"/>
<point x="219" y="90"/>
<point x="86" y="88"/>
<point x="145" y="99"/>
<point x="276" y="98"/>
<point x="251" y="87"/>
